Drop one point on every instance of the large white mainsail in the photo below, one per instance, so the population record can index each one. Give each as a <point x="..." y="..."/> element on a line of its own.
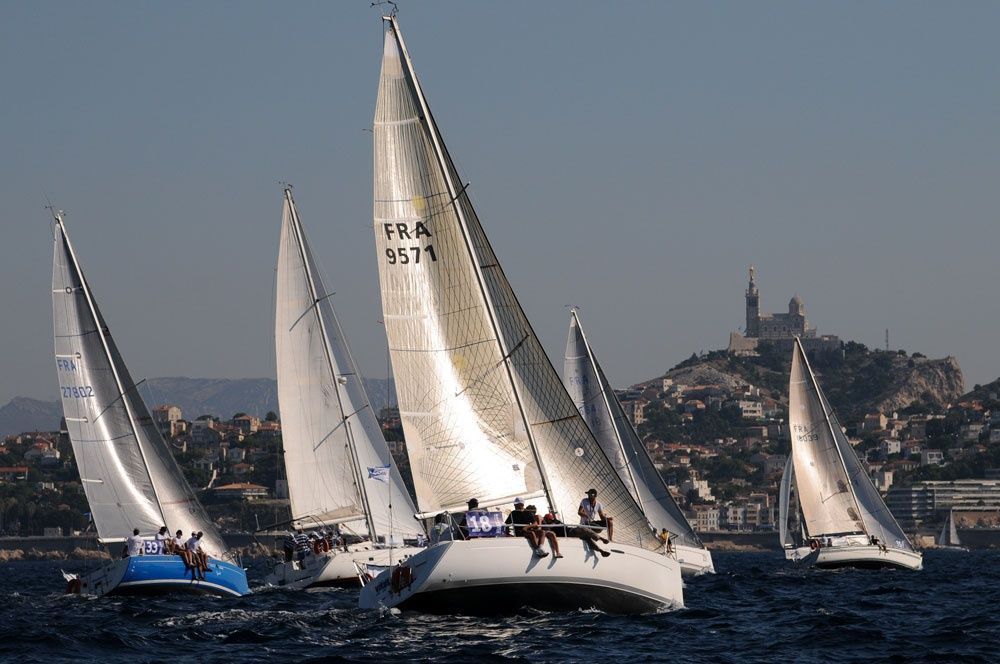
<point x="599" y="406"/>
<point x="330" y="435"/>
<point x="129" y="475"/>
<point x="484" y="412"/>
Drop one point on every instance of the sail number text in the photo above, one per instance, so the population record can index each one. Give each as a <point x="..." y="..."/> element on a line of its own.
<point x="81" y="392"/>
<point x="407" y="254"/>
<point x="804" y="435"/>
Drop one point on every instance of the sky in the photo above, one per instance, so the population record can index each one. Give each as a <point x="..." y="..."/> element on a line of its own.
<point x="630" y="158"/>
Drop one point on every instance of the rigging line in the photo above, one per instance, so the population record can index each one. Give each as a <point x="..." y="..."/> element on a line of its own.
<point x="120" y="396"/>
<point x="310" y="308"/>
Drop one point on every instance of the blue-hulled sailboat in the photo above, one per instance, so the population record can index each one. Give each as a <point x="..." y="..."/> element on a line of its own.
<point x="128" y="473"/>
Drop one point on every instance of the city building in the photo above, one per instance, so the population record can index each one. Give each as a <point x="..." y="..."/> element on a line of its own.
<point x="928" y="501"/>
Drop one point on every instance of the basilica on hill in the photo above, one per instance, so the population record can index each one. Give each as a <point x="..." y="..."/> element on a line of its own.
<point x="775" y="327"/>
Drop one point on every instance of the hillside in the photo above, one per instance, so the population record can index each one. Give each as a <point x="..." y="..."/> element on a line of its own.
<point x="856" y="379"/>
<point x="195" y="396"/>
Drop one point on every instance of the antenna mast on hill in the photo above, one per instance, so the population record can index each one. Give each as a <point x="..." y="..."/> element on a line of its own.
<point x="887" y="340"/>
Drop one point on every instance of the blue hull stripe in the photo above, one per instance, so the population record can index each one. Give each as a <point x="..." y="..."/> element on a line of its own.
<point x="150" y="573"/>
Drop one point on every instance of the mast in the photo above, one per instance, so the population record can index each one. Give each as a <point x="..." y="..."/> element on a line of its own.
<point x="102" y="332"/>
<point x="454" y="193"/>
<point x="833" y="435"/>
<point x="607" y="405"/>
<point x="344" y="417"/>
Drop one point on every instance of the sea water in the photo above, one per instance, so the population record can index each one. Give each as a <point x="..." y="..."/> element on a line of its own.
<point x="758" y="608"/>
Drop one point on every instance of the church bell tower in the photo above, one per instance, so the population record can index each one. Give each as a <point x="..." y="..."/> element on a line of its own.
<point x="753" y="306"/>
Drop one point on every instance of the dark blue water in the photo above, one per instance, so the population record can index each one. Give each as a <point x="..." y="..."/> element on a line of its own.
<point x="758" y="608"/>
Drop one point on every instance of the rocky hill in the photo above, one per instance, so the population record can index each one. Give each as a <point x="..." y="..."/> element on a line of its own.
<point x="222" y="397"/>
<point x="856" y="379"/>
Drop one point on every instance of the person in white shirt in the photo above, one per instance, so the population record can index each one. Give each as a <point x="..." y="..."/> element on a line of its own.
<point x="161" y="540"/>
<point x="199" y="561"/>
<point x="592" y="514"/>
<point x="133" y="545"/>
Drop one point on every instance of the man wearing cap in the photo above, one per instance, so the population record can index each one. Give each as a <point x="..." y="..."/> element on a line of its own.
<point x="592" y="514"/>
<point x="463" y="527"/>
<point x="519" y="519"/>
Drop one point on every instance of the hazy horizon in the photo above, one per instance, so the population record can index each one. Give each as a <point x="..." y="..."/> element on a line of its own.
<point x="632" y="159"/>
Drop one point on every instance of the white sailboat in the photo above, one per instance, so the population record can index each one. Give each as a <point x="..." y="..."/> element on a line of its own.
<point x="845" y="520"/>
<point x="340" y="471"/>
<point x="790" y="528"/>
<point x="128" y="473"/>
<point x="484" y="412"/>
<point x="948" y="538"/>
<point x="599" y="406"/>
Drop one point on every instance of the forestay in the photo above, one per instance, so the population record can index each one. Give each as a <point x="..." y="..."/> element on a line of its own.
<point x="330" y="434"/>
<point x="480" y="402"/>
<point x="128" y="473"/>
<point x="599" y="406"/>
<point x="828" y="505"/>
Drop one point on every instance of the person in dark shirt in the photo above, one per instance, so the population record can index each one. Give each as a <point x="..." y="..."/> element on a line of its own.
<point x="463" y="527"/>
<point x="540" y="533"/>
<point x="522" y="523"/>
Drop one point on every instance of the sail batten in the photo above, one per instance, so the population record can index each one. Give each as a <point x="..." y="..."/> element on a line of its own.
<point x="132" y="479"/>
<point x="330" y="432"/>
<point x="462" y="350"/>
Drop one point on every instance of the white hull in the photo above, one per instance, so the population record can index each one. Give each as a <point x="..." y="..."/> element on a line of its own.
<point x="694" y="560"/>
<point x="861" y="556"/>
<point x="334" y="568"/>
<point x="501" y="575"/>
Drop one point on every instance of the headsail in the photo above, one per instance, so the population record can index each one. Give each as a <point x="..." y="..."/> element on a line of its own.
<point x="784" y="505"/>
<point x="330" y="435"/>
<point x="128" y="473"/>
<point x="827" y="501"/>
<point x="599" y="406"/>
<point x="875" y="514"/>
<point x="485" y="414"/>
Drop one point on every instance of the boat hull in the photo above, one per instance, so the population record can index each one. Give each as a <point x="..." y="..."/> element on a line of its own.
<point x="334" y="568"/>
<point x="158" y="575"/>
<point x="694" y="560"/>
<point x="869" y="557"/>
<point x="501" y="575"/>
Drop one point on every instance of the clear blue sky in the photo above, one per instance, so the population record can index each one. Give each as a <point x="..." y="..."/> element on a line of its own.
<point x="630" y="158"/>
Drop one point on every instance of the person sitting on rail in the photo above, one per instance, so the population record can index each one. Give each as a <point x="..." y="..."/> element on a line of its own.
<point x="522" y="524"/>
<point x="589" y="537"/>
<point x="542" y="533"/>
<point x="592" y="514"/>
<point x="199" y="558"/>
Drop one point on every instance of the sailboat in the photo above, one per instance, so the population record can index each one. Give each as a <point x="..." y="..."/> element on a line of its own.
<point x="845" y="521"/>
<point x="599" y="406"/>
<point x="790" y="527"/>
<point x="484" y="412"/>
<point x="128" y="473"/>
<point x="339" y="468"/>
<point x="948" y="538"/>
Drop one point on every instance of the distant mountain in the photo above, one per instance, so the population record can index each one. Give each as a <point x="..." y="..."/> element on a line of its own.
<point x="222" y="397"/>
<point x="24" y="414"/>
